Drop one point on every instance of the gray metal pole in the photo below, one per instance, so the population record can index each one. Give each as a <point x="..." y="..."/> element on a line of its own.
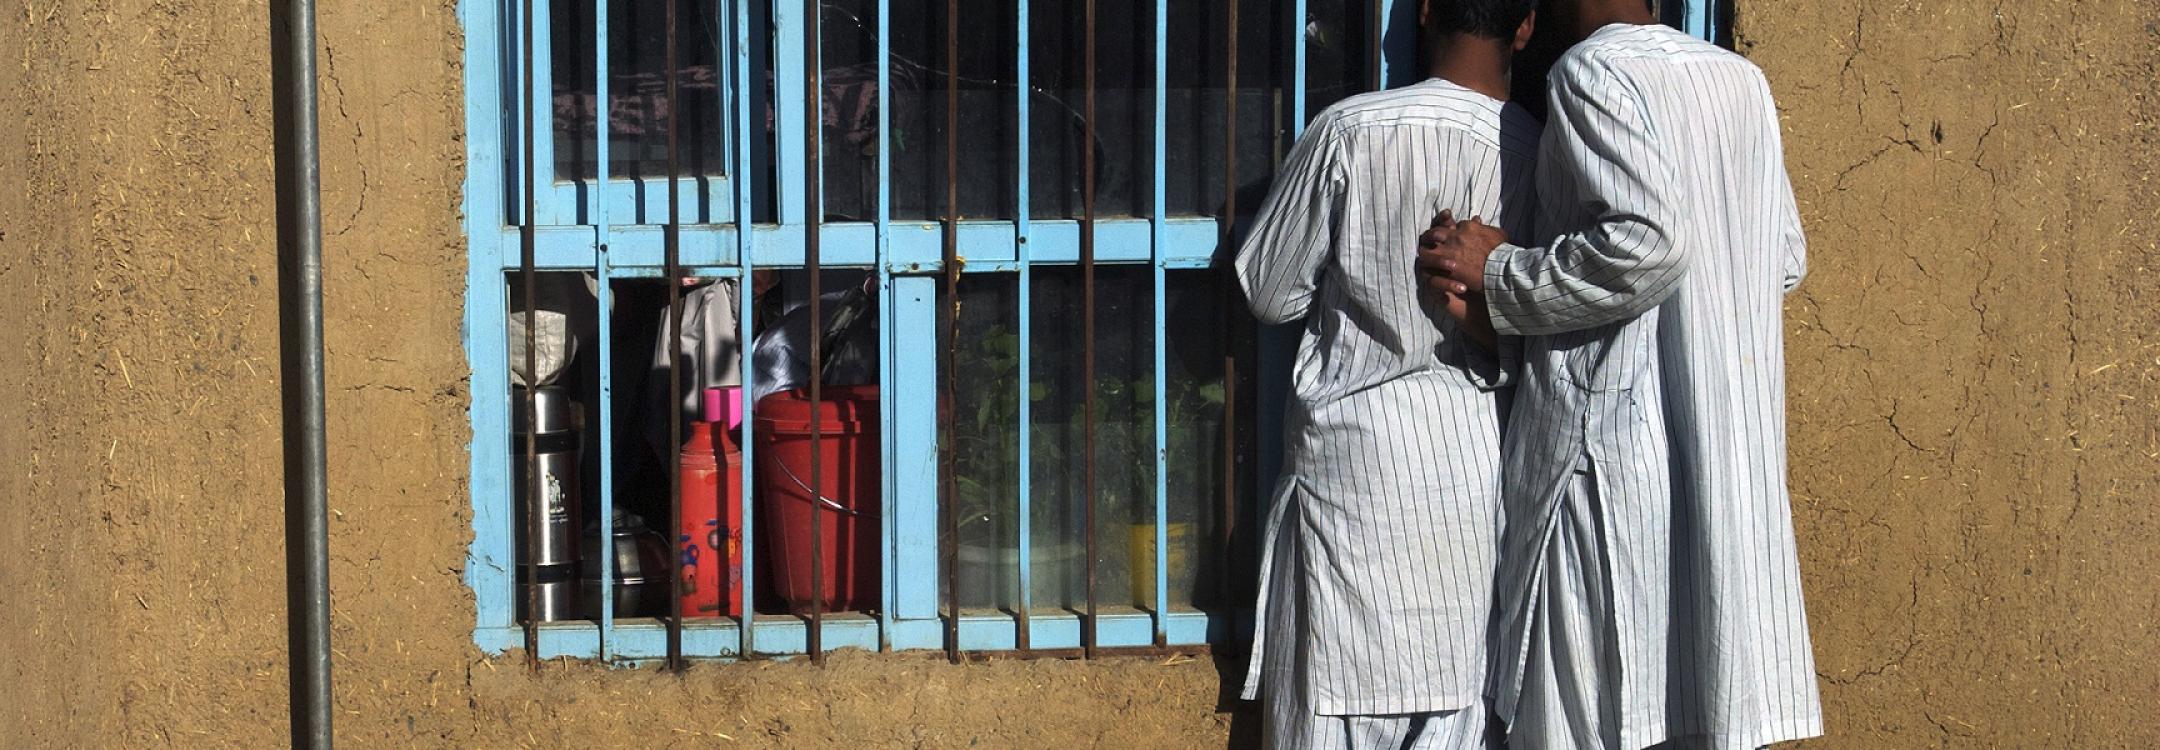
<point x="299" y="242"/>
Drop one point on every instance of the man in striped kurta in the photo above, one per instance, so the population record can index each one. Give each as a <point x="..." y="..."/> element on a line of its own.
<point x="1649" y="584"/>
<point x="1381" y="539"/>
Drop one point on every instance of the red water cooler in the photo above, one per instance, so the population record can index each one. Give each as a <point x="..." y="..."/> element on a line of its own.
<point x="710" y="539"/>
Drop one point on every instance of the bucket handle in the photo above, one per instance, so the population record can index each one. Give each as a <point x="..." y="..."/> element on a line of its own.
<point x="829" y="503"/>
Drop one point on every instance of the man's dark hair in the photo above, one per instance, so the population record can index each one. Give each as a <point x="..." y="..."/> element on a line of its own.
<point x="1492" y="19"/>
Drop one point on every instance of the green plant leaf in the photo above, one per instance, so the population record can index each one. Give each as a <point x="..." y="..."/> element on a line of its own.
<point x="1002" y="344"/>
<point x="1212" y="393"/>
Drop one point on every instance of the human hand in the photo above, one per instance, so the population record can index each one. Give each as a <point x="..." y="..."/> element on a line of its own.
<point x="1429" y="272"/>
<point x="1452" y="254"/>
<point x="1474" y="317"/>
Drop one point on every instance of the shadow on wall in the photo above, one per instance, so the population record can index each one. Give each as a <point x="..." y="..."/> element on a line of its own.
<point x="1244" y="714"/>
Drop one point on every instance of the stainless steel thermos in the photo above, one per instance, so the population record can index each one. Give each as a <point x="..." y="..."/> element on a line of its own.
<point x="553" y="549"/>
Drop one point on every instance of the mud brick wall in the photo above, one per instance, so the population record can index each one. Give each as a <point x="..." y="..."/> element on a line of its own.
<point x="1973" y="404"/>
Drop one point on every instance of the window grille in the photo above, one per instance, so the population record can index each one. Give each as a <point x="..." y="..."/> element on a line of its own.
<point x="1039" y="195"/>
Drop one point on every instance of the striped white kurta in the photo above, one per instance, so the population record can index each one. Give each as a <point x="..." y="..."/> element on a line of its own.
<point x="1654" y="366"/>
<point x="1382" y="537"/>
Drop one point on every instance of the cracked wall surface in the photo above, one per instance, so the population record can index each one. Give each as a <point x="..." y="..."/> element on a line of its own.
<point x="141" y="571"/>
<point x="1973" y="360"/>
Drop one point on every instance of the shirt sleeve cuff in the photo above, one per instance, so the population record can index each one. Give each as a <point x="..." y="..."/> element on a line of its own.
<point x="1506" y="304"/>
<point x="1493" y="370"/>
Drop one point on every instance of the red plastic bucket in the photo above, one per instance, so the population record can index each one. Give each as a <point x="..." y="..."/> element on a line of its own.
<point x="846" y="502"/>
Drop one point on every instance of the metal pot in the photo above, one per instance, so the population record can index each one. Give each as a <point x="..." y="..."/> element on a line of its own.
<point x="641" y="568"/>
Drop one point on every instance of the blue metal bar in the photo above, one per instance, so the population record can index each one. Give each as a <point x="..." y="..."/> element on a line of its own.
<point x="915" y="550"/>
<point x="605" y="317"/>
<point x="887" y="337"/>
<point x="638" y="199"/>
<point x="1695" y="18"/>
<point x="1052" y="241"/>
<point x="617" y="271"/>
<point x="1022" y="230"/>
<point x="488" y="562"/>
<point x="1115" y="629"/>
<point x="730" y="97"/>
<point x="1008" y="267"/>
<point x="643" y="639"/>
<point x="1401" y="41"/>
<point x="551" y="206"/>
<point x="1189" y="241"/>
<point x="987" y="247"/>
<point x="1298" y="104"/>
<point x="1157" y="212"/>
<point x="789" y="105"/>
<point x="746" y="289"/>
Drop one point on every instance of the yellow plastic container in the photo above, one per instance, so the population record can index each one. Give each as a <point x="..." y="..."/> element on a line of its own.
<point x="1141" y="551"/>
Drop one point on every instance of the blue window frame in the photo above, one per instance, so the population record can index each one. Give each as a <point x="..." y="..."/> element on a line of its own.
<point x="747" y="211"/>
<point x="1707" y="19"/>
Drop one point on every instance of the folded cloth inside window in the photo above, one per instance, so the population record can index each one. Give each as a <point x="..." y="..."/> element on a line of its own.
<point x="712" y="358"/>
<point x="553" y="346"/>
<point x="564" y="314"/>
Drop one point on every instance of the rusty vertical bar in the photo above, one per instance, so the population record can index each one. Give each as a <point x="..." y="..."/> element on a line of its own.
<point x="527" y="252"/>
<point x="1233" y="311"/>
<point x="813" y="216"/>
<point x="671" y="241"/>
<point x="1087" y="325"/>
<point x="1377" y="77"/>
<point x="948" y="309"/>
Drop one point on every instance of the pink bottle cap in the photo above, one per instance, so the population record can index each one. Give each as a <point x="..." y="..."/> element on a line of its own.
<point x="724" y="405"/>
